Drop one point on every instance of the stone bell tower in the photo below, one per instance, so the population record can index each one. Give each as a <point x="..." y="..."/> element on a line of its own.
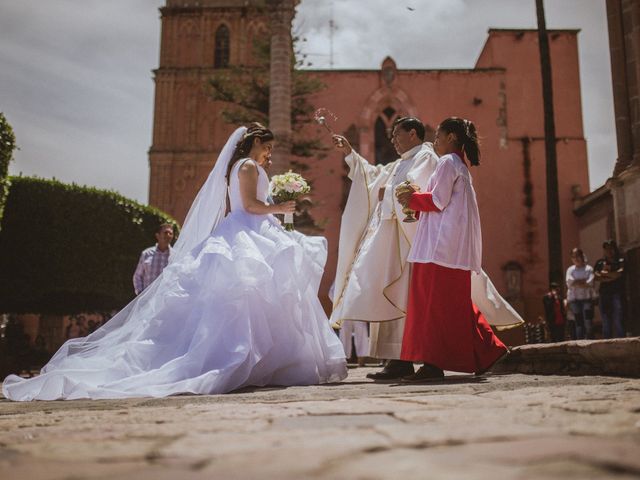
<point x="199" y="38"/>
<point x="280" y="17"/>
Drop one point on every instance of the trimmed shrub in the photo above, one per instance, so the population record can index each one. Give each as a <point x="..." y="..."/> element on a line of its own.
<point x="7" y="146"/>
<point x="66" y="248"/>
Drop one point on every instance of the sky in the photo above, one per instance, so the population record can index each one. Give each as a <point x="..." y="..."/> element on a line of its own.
<point x="76" y="76"/>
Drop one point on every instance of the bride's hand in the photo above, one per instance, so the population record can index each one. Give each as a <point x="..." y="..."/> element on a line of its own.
<point x="285" y="207"/>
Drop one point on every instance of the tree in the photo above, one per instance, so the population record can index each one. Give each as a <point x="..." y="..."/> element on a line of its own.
<point x="245" y="91"/>
<point x="67" y="249"/>
<point x="7" y="146"/>
<point x="554" y="234"/>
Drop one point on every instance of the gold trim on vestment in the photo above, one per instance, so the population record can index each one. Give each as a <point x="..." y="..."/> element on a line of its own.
<point x="402" y="267"/>
<point x="337" y="303"/>
<point x="338" y="323"/>
<point x="502" y="328"/>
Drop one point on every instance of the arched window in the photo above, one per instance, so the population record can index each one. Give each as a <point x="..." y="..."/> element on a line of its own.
<point x="221" y="53"/>
<point x="385" y="151"/>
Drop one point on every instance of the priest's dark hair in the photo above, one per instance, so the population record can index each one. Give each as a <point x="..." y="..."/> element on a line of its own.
<point x="244" y="146"/>
<point x="410" y="123"/>
<point x="466" y="137"/>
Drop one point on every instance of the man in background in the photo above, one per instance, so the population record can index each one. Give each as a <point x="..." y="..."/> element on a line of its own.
<point x="609" y="272"/>
<point x="554" y="312"/>
<point x="153" y="259"/>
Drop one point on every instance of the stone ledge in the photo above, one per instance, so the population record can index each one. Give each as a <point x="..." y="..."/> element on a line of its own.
<point x="618" y="357"/>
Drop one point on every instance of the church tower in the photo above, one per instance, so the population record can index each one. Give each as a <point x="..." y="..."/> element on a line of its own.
<point x="199" y="38"/>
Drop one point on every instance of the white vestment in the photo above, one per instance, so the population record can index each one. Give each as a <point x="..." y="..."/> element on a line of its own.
<point x="372" y="275"/>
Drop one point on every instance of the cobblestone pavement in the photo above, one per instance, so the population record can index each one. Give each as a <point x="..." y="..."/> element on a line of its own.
<point x="503" y="426"/>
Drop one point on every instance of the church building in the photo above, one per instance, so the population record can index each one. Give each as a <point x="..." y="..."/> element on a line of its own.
<point x="501" y="93"/>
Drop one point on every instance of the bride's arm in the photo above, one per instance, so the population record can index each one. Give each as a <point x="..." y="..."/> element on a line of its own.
<point x="248" y="176"/>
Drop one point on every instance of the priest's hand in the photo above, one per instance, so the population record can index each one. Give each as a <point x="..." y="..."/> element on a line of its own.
<point x="342" y="144"/>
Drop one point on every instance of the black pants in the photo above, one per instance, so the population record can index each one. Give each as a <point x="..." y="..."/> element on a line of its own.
<point x="557" y="332"/>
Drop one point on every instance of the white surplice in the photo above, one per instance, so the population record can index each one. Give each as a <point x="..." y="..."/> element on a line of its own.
<point x="372" y="276"/>
<point x="452" y="237"/>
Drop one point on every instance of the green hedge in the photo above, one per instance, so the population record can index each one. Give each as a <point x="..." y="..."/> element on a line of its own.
<point x="7" y="146"/>
<point x="68" y="249"/>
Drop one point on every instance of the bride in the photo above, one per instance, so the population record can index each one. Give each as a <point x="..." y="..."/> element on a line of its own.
<point x="236" y="306"/>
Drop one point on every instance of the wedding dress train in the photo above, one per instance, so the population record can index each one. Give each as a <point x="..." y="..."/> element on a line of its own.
<point x="239" y="309"/>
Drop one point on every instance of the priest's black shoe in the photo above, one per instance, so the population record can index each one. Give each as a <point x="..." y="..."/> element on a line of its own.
<point x="394" y="370"/>
<point x="426" y="373"/>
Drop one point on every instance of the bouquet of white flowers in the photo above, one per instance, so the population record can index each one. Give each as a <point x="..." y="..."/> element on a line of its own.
<point x="286" y="187"/>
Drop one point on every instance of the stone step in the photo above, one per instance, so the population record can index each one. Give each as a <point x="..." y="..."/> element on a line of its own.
<point x="617" y="357"/>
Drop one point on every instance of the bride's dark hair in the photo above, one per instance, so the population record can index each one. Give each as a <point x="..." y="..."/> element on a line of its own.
<point x="244" y="146"/>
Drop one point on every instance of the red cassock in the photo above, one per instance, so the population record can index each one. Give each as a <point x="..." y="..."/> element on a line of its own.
<point x="443" y="328"/>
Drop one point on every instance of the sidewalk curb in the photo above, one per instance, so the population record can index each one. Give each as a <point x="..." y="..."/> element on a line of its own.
<point x="617" y="357"/>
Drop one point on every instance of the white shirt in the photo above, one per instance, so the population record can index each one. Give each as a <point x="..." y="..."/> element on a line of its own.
<point x="399" y="175"/>
<point x="452" y="237"/>
<point x="575" y="292"/>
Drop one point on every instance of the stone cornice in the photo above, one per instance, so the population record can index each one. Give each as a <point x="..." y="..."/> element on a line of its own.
<point x="409" y="70"/>
<point x="584" y="203"/>
<point x="175" y="151"/>
<point x="569" y="31"/>
<point x="177" y="11"/>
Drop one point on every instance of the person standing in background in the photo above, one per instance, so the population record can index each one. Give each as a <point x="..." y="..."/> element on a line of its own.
<point x="354" y="333"/>
<point x="554" y="313"/>
<point x="609" y="272"/>
<point x="153" y="259"/>
<point x="580" y="293"/>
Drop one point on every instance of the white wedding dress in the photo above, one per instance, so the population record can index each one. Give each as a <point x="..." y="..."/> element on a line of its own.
<point x="239" y="309"/>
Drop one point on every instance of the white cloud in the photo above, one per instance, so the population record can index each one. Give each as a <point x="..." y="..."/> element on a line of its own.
<point x="451" y="33"/>
<point x="76" y="84"/>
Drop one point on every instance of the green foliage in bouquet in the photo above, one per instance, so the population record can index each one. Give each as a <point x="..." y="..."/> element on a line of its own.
<point x="67" y="248"/>
<point x="7" y="146"/>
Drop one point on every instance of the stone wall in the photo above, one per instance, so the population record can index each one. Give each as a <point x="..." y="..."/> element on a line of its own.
<point x="624" y="41"/>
